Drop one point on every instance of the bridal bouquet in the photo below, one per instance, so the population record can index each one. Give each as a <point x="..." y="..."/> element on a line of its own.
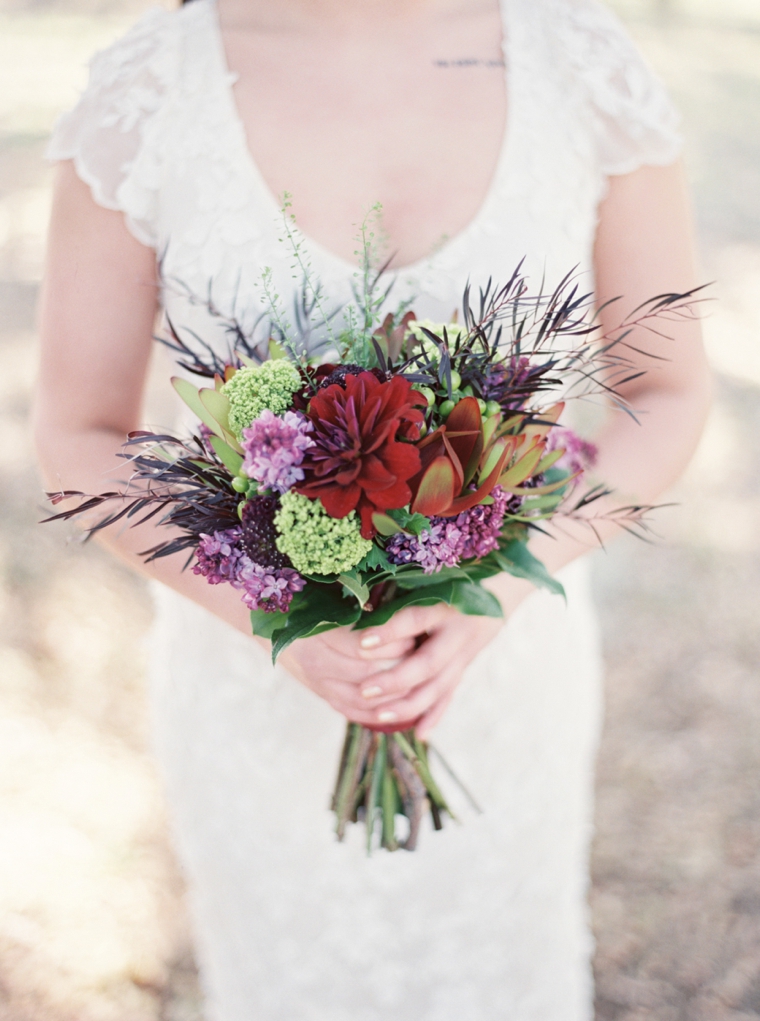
<point x="403" y="467"/>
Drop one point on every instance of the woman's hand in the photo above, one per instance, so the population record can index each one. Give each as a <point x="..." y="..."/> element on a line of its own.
<point x="406" y="670"/>
<point x="334" y="665"/>
<point x="422" y="685"/>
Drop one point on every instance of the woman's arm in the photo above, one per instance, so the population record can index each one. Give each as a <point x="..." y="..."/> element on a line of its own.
<point x="99" y="306"/>
<point x="643" y="248"/>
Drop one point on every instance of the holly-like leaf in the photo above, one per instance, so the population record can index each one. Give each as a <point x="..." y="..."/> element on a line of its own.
<point x="414" y="524"/>
<point x="376" y="559"/>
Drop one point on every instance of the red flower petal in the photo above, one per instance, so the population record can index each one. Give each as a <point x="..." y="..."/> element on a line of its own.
<point x="339" y="501"/>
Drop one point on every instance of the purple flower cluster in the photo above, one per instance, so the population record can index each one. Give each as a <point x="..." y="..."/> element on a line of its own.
<point x="269" y="588"/>
<point x="481" y="525"/>
<point x="579" y="454"/>
<point x="274" y="447"/>
<point x="436" y="547"/>
<point x="473" y="533"/>
<point x="220" y="558"/>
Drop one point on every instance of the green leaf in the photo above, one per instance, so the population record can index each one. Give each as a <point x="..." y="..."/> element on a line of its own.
<point x="546" y="462"/>
<point x="229" y="457"/>
<point x="414" y="523"/>
<point x="355" y="586"/>
<point x="192" y="399"/>
<point x="384" y="524"/>
<point x="417" y="579"/>
<point x="376" y="558"/>
<point x="429" y="596"/>
<point x="540" y="502"/>
<point x="485" y="568"/>
<point x="476" y="601"/>
<point x="265" y="624"/>
<point x="218" y="405"/>
<point x="468" y="597"/>
<point x="516" y="559"/>
<point x="319" y="609"/>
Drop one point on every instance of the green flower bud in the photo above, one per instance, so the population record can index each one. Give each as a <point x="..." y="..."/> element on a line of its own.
<point x="253" y="390"/>
<point x="239" y="485"/>
<point x="492" y="408"/>
<point x="456" y="380"/>
<point x="427" y="393"/>
<point x="446" y="408"/>
<point x="482" y="405"/>
<point x="315" y="542"/>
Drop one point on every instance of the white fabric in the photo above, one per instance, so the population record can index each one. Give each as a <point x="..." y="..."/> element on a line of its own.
<point x="488" y="919"/>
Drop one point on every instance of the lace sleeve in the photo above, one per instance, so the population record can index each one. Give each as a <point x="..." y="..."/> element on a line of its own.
<point x="634" y="120"/>
<point x="113" y="133"/>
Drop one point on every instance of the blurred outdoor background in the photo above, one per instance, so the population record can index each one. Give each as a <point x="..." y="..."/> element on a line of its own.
<point x="92" y="923"/>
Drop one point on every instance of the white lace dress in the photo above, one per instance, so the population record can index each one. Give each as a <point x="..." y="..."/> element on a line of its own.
<point x="487" y="920"/>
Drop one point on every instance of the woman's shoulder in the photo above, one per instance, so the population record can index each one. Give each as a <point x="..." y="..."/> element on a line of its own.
<point x="113" y="134"/>
<point x="633" y="116"/>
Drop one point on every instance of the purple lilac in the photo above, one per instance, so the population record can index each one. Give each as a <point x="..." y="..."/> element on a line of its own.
<point x="274" y="447"/>
<point x="269" y="588"/>
<point x="433" y="549"/>
<point x="220" y="558"/>
<point x="481" y="526"/>
<point x="473" y="533"/>
<point x="579" y="454"/>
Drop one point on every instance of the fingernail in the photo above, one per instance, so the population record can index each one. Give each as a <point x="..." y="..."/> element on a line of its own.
<point x="372" y="692"/>
<point x="370" y="641"/>
<point x="387" y="716"/>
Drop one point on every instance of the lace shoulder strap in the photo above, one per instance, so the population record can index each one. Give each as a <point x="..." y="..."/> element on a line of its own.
<point x="113" y="133"/>
<point x="634" y="120"/>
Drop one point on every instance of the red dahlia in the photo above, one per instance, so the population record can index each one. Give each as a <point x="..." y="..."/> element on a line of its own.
<point x="358" y="461"/>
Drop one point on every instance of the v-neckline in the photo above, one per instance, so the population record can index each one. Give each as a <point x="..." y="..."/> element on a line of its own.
<point x="451" y="244"/>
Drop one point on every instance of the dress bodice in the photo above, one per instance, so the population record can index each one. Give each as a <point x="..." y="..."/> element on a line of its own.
<point x="157" y="135"/>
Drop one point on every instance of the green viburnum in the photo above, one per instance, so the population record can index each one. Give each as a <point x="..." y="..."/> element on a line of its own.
<point x="253" y="390"/>
<point x="315" y="542"/>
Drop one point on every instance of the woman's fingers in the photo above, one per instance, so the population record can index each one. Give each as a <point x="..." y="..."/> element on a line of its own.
<point x="405" y="625"/>
<point x="420" y="701"/>
<point x="415" y="669"/>
<point x="347" y="643"/>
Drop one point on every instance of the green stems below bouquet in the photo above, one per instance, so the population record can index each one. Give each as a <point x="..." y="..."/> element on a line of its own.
<point x="383" y="776"/>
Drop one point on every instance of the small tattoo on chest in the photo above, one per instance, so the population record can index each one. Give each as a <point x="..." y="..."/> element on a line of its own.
<point x="470" y="62"/>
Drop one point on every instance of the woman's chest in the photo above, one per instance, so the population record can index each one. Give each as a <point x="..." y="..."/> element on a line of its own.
<point x="219" y="217"/>
<point x="409" y="114"/>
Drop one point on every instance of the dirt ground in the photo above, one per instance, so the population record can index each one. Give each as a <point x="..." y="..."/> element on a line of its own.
<point x="92" y="923"/>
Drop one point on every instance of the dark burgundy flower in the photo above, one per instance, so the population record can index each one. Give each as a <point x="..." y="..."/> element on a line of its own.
<point x="258" y="534"/>
<point x="358" y="461"/>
